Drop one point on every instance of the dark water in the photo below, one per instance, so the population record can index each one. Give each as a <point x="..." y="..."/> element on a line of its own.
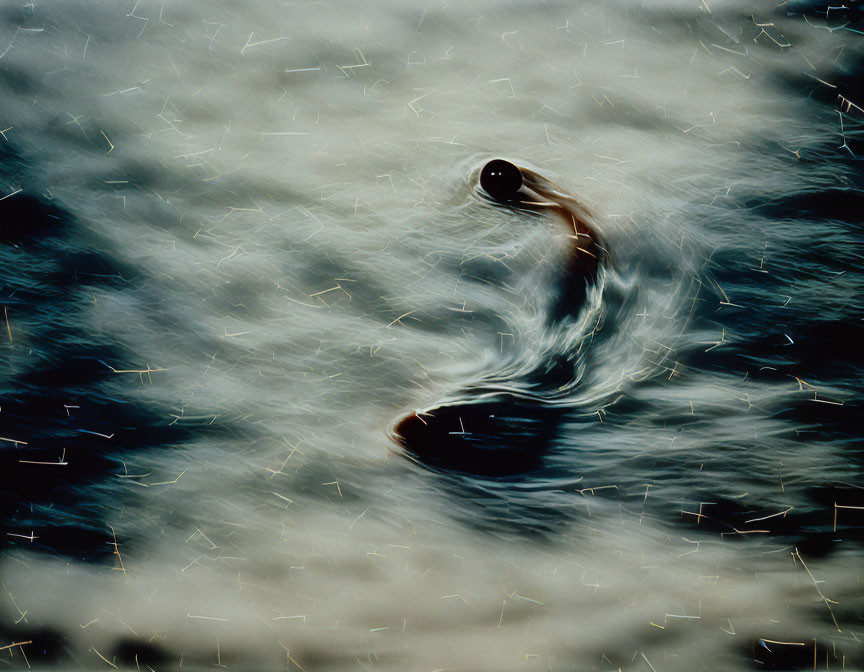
<point x="240" y="242"/>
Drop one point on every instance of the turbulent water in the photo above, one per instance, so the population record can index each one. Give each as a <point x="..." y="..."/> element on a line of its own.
<point x="240" y="240"/>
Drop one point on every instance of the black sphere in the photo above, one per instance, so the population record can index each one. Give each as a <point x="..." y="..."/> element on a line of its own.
<point x="501" y="180"/>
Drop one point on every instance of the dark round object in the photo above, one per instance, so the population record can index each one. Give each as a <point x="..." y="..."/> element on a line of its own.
<point x="501" y="180"/>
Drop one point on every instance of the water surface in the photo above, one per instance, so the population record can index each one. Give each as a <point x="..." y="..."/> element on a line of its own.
<point x="241" y="240"/>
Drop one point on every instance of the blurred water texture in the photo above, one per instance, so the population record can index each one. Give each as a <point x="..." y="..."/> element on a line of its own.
<point x="239" y="240"/>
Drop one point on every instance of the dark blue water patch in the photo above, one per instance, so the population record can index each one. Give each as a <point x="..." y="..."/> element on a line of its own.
<point x="767" y="338"/>
<point x="540" y="504"/>
<point x="76" y="438"/>
<point x="25" y="218"/>
<point x="810" y="522"/>
<point x="72" y="538"/>
<point x="66" y="420"/>
<point x="836" y="15"/>
<point x="791" y="311"/>
<point x="836" y="85"/>
<point x="834" y="419"/>
<point x="93" y="267"/>
<point x="537" y="506"/>
<point x="833" y="82"/>
<point x="45" y="646"/>
<point x="825" y="350"/>
<point x="139" y="651"/>
<point x="797" y="651"/>
<point x="845" y="503"/>
<point x="844" y="204"/>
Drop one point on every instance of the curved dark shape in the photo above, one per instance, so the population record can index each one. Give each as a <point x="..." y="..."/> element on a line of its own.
<point x="499" y="436"/>
<point x="494" y="433"/>
<point x="507" y="184"/>
<point x="501" y="180"/>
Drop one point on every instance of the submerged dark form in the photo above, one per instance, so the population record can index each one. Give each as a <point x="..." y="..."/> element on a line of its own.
<point x="497" y="433"/>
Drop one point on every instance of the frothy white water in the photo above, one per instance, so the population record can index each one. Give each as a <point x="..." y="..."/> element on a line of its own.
<point x="290" y="194"/>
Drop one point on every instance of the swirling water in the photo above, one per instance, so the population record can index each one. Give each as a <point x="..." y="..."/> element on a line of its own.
<point x="241" y="240"/>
